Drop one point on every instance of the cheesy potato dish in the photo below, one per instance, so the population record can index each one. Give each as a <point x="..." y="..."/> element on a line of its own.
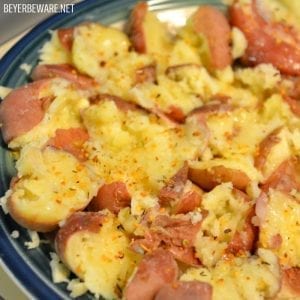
<point x="166" y="163"/>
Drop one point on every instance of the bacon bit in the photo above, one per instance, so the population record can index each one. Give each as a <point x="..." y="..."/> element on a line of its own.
<point x="66" y="36"/>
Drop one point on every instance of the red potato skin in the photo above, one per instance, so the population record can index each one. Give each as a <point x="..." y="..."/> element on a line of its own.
<point x="64" y="71"/>
<point x="291" y="279"/>
<point x="285" y="178"/>
<point x="188" y="202"/>
<point x="176" y="114"/>
<point x="186" y="256"/>
<point x="121" y="104"/>
<point x="22" y="109"/>
<point x="13" y="181"/>
<point x="274" y="43"/>
<point x="28" y="223"/>
<point x="185" y="290"/>
<point x="174" y="191"/>
<point x="174" y="187"/>
<point x="293" y="104"/>
<point x="171" y="71"/>
<point x="113" y="196"/>
<point x="79" y="221"/>
<point x="261" y="207"/>
<point x="276" y="241"/>
<point x="265" y="148"/>
<point x="135" y="27"/>
<point x="245" y="239"/>
<point x="294" y="91"/>
<point x="210" y="178"/>
<point x="211" y="109"/>
<point x="126" y="106"/>
<point x="66" y="36"/>
<point x="177" y="235"/>
<point x="145" y="74"/>
<point x="154" y="271"/>
<point x="218" y="104"/>
<point x="70" y="140"/>
<point x="210" y="22"/>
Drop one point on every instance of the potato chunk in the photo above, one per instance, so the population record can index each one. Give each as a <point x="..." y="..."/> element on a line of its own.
<point x="137" y="148"/>
<point x="97" y="252"/>
<point x="94" y="45"/>
<point x="227" y="210"/>
<point x="52" y="185"/>
<point x="147" y="33"/>
<point x="255" y="277"/>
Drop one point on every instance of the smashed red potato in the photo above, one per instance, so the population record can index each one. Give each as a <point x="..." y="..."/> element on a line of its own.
<point x="166" y="163"/>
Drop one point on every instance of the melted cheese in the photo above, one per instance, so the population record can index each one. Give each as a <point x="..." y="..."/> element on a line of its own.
<point x="232" y="135"/>
<point x="255" y="278"/>
<point x="134" y="148"/>
<point x="54" y="53"/>
<point x="282" y="217"/>
<point x="57" y="185"/>
<point x="226" y="214"/>
<point x="94" y="45"/>
<point x="157" y="39"/>
<point x="104" y="269"/>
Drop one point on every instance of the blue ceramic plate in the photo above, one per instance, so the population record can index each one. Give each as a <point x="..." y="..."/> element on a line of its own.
<point x="31" y="268"/>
